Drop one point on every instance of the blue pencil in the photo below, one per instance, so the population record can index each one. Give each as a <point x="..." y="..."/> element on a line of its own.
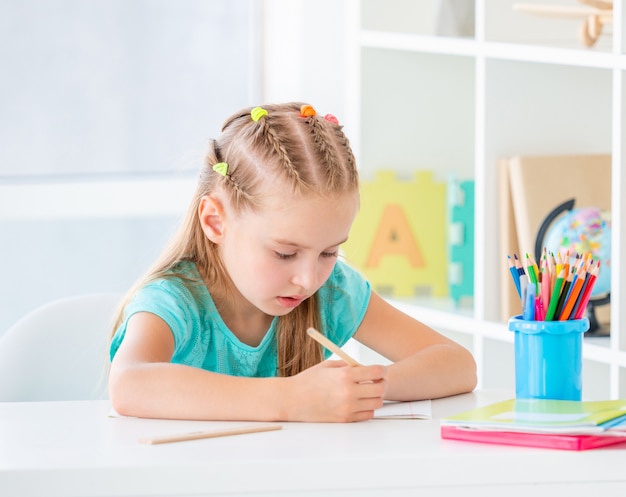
<point x="523" y="277"/>
<point x="515" y="275"/>
<point x="528" y="311"/>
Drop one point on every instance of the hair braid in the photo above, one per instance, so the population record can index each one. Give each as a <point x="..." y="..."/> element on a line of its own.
<point x="344" y="144"/>
<point x="272" y="138"/>
<point x="325" y="145"/>
<point x="240" y="195"/>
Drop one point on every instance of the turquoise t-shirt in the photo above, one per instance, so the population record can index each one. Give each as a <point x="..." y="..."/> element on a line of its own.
<point x="201" y="338"/>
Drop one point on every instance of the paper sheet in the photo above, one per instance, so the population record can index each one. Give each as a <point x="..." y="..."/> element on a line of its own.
<point x="417" y="409"/>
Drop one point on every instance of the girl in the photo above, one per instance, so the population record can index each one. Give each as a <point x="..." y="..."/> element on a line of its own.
<point x="217" y="330"/>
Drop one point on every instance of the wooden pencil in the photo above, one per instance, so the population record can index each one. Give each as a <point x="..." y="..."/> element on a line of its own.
<point x="197" y="435"/>
<point x="326" y="343"/>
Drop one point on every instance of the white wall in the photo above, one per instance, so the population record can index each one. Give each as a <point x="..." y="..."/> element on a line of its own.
<point x="303" y="53"/>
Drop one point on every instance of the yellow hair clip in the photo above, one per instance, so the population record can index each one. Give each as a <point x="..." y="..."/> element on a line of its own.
<point x="221" y="168"/>
<point x="257" y="113"/>
<point x="307" y="111"/>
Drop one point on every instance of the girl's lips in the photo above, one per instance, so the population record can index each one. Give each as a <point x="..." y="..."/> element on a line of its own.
<point x="290" y="302"/>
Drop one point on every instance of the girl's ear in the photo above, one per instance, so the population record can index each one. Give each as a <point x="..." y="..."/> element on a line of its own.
<point x="211" y="214"/>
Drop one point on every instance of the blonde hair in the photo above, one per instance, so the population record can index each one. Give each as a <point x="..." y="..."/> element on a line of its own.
<point x="288" y="145"/>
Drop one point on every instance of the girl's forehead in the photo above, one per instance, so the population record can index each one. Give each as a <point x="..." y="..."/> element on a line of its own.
<point x="309" y="216"/>
<point x="290" y="202"/>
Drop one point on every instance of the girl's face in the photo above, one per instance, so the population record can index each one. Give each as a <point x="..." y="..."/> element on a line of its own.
<point x="283" y="254"/>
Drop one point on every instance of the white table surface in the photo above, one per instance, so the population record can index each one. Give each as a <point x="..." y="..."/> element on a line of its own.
<point x="76" y="449"/>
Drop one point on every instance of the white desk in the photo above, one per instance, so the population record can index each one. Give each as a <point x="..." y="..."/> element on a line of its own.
<point x="71" y="449"/>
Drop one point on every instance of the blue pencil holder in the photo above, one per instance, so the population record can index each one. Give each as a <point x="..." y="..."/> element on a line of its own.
<point x="548" y="358"/>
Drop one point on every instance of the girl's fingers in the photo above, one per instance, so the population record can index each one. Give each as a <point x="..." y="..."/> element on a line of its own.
<point x="369" y="373"/>
<point x="372" y="389"/>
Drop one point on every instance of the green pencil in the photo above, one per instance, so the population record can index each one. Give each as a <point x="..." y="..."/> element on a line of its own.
<point x="554" y="298"/>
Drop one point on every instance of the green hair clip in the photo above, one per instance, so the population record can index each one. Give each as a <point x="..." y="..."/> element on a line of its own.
<point x="221" y="168"/>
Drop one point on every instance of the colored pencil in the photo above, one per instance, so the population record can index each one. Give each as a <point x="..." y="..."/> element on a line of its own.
<point x="532" y="273"/>
<point x="523" y="278"/>
<point x="545" y="284"/>
<point x="572" y="297"/>
<point x="556" y="293"/>
<point x="588" y="288"/>
<point x="567" y="283"/>
<point x="529" y="304"/>
<point x="515" y="275"/>
<point x="562" y="285"/>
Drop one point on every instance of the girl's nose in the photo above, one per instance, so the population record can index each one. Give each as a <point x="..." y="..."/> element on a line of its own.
<point x="306" y="276"/>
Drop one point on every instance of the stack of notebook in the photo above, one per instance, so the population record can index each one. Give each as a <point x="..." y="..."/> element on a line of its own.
<point x="557" y="424"/>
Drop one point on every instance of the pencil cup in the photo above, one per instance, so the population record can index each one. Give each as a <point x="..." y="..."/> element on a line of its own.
<point x="548" y="358"/>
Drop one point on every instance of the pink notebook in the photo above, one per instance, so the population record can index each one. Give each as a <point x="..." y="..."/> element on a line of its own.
<point x="545" y="440"/>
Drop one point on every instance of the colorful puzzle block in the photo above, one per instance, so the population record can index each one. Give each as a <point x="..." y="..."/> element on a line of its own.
<point x="460" y="239"/>
<point x="398" y="240"/>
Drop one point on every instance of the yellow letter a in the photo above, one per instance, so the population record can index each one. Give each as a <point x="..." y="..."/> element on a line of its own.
<point x="394" y="236"/>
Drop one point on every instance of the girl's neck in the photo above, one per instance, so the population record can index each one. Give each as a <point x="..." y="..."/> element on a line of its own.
<point x="245" y="321"/>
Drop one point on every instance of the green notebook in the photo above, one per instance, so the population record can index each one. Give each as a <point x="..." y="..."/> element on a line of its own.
<point x="545" y="416"/>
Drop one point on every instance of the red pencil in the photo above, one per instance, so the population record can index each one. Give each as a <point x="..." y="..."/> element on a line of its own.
<point x="584" y="300"/>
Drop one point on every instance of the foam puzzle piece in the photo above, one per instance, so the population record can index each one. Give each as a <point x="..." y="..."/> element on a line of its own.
<point x="460" y="199"/>
<point x="398" y="240"/>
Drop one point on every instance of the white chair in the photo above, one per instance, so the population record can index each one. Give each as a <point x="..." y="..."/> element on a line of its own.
<point x="58" y="351"/>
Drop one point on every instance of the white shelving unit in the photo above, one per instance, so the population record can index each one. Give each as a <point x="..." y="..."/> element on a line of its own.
<point x="521" y="85"/>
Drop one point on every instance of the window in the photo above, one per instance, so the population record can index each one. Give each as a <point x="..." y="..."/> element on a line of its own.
<point x="107" y="106"/>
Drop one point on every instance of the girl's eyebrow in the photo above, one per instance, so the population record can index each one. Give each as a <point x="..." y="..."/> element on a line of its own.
<point x="290" y="243"/>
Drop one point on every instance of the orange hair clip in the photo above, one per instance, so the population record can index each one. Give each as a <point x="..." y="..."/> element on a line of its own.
<point x="307" y="111"/>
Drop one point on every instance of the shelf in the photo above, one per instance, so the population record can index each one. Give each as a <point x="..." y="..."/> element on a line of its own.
<point x="492" y="50"/>
<point x="444" y="316"/>
<point x="520" y="86"/>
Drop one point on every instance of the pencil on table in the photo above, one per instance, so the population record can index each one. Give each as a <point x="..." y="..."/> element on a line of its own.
<point x="327" y="344"/>
<point x="197" y="435"/>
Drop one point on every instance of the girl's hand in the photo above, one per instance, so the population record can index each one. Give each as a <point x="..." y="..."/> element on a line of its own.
<point x="332" y="391"/>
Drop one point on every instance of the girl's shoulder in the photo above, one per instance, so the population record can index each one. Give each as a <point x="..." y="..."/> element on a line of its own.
<point x="346" y="278"/>
<point x="180" y="287"/>
<point x="343" y="301"/>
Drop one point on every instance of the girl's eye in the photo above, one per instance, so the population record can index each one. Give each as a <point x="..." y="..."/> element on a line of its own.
<point x="284" y="256"/>
<point x="326" y="255"/>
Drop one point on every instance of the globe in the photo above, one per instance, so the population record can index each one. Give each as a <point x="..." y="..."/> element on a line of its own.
<point x="584" y="230"/>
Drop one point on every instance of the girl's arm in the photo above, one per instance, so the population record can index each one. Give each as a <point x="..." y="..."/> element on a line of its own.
<point x="426" y="365"/>
<point x="143" y="383"/>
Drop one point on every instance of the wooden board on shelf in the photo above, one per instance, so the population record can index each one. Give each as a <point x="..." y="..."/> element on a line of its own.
<point x="510" y="304"/>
